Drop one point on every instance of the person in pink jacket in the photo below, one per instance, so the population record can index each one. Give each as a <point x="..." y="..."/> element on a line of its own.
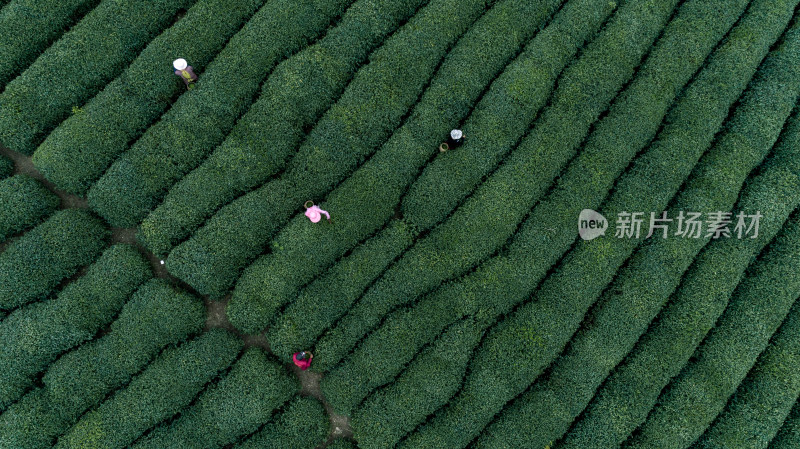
<point x="302" y="359"/>
<point x="185" y="72"/>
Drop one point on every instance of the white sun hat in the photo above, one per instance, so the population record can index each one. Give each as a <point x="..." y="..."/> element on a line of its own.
<point x="179" y="64"/>
<point x="456" y="134"/>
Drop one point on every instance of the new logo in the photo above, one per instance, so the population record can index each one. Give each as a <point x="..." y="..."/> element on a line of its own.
<point x="591" y="224"/>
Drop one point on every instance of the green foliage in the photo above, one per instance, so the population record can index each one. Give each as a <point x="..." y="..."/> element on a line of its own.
<point x="509" y="108"/>
<point x="368" y="198"/>
<point x="699" y="393"/>
<point x="156" y="316"/>
<point x="6" y="166"/>
<point x="371" y="107"/>
<point x="160" y="391"/>
<point x="237" y="405"/>
<point x="293" y="99"/>
<point x="328" y="298"/>
<point x="503" y="281"/>
<point x="35" y="335"/>
<point x="76" y="153"/>
<point x="27" y="27"/>
<point x="24" y="203"/>
<point x="491" y="215"/>
<point x="301" y="425"/>
<point x="33" y="265"/>
<point x="789" y="435"/>
<point x="540" y="329"/>
<point x="77" y="66"/>
<point x="188" y="133"/>
<point x="763" y="401"/>
<point x="430" y="381"/>
<point x="600" y="344"/>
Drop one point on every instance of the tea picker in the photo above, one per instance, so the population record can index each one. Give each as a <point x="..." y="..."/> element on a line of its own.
<point x="302" y="359"/>
<point x="454" y="140"/>
<point x="314" y="213"/>
<point x="185" y="72"/>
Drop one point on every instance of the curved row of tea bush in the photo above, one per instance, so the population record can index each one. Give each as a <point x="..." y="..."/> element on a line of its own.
<point x="371" y="107"/>
<point x="24" y="203"/>
<point x="428" y="383"/>
<point x="167" y="384"/>
<point x="788" y="436"/>
<point x="301" y="425"/>
<point x="77" y="152"/>
<point x="710" y="376"/>
<point x="156" y="316"/>
<point x="445" y="104"/>
<point x="492" y="214"/>
<point x="236" y="405"/>
<point x="294" y="97"/>
<point x="33" y="336"/>
<point x="598" y="346"/>
<point x="33" y="265"/>
<point x="615" y="140"/>
<point x="540" y="329"/>
<point x="329" y="297"/>
<point x="20" y="44"/>
<point x="77" y="66"/>
<point x="6" y="167"/>
<point x="762" y="402"/>
<point x="366" y="200"/>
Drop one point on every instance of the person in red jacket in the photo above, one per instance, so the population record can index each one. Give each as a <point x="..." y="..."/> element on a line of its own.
<point x="185" y="72"/>
<point x="302" y="359"/>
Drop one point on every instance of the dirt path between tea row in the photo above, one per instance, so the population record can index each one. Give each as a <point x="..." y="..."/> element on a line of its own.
<point x="215" y="310"/>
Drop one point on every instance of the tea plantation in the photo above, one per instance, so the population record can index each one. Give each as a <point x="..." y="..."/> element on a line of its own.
<point x="608" y="258"/>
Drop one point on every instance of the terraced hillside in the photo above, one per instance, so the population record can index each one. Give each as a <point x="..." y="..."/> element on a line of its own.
<point x="610" y="258"/>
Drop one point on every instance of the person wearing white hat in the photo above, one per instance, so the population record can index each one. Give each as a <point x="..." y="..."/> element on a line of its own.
<point x="454" y="140"/>
<point x="185" y="72"/>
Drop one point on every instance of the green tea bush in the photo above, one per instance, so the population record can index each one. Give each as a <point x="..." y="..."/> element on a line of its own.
<point x="492" y="214"/>
<point x="342" y="444"/>
<point x="156" y="316"/>
<point x="323" y="74"/>
<point x="371" y="107"/>
<point x="368" y="198"/>
<point x="762" y="402"/>
<point x="168" y="384"/>
<point x="789" y="435"/>
<point x="716" y="368"/>
<point x="430" y="381"/>
<point x="33" y="265"/>
<point x="541" y="328"/>
<point x="77" y="66"/>
<point x="77" y="152"/>
<point x="6" y="166"/>
<point x="33" y="336"/>
<point x="600" y="345"/>
<point x="24" y="203"/>
<point x="303" y="424"/>
<point x="497" y="285"/>
<point x="237" y="405"/>
<point x="329" y="297"/>
<point x="27" y="27"/>
<point x="778" y="178"/>
<point x="294" y="97"/>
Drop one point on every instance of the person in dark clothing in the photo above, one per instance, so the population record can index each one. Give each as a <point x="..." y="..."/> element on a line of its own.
<point x="454" y="140"/>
